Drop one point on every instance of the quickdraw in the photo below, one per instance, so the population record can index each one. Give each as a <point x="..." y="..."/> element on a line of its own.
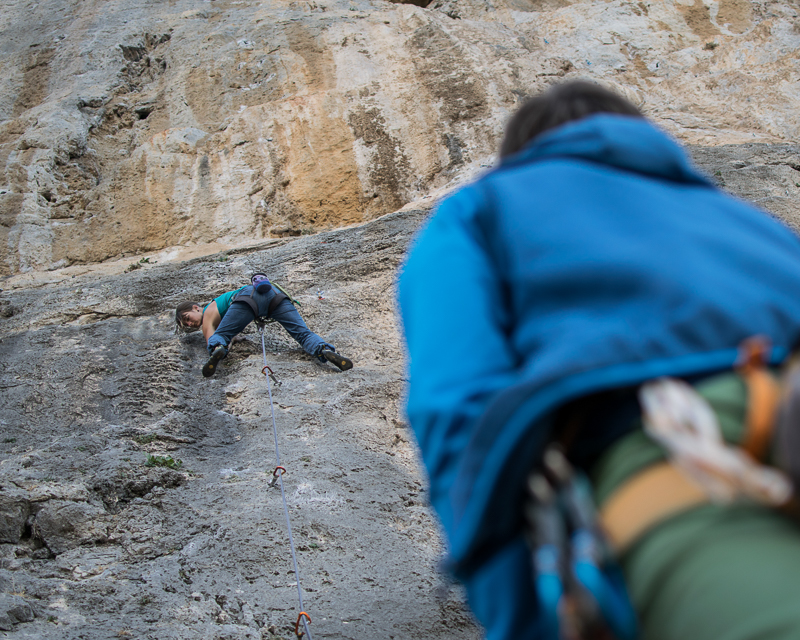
<point x="580" y="589"/>
<point x="276" y="475"/>
<point x="300" y="617"/>
<point x="271" y="373"/>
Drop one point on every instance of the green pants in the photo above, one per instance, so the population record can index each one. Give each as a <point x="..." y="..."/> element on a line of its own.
<point x="714" y="572"/>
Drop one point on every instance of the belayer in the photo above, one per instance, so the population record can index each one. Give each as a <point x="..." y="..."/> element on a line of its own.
<point x="227" y="315"/>
<point x="609" y="453"/>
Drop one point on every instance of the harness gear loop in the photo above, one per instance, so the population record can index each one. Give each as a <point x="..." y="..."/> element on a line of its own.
<point x="276" y="475"/>
<point x="577" y="583"/>
<point x="251" y="303"/>
<point x="763" y="395"/>
<point x="297" y="631"/>
<point x="703" y="467"/>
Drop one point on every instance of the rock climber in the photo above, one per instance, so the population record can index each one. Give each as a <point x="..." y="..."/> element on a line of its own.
<point x="593" y="260"/>
<point x="227" y="316"/>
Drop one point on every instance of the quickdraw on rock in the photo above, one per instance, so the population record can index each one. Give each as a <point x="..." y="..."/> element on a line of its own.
<point x="271" y="374"/>
<point x="301" y="616"/>
<point x="276" y="475"/>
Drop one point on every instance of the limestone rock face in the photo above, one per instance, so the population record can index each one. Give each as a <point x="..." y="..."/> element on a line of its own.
<point x="134" y="493"/>
<point x="14" y="510"/>
<point x="13" y="610"/>
<point x="109" y="542"/>
<point x="128" y="127"/>
<point x="64" y="525"/>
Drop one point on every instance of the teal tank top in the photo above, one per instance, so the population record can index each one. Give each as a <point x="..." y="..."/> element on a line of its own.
<point x="224" y="301"/>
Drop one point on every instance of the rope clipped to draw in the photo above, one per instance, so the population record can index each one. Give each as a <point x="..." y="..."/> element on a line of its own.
<point x="277" y="477"/>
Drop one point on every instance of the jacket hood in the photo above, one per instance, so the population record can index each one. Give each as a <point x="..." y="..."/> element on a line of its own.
<point x="623" y="142"/>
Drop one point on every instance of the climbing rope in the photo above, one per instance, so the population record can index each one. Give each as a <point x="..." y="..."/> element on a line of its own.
<point x="277" y="476"/>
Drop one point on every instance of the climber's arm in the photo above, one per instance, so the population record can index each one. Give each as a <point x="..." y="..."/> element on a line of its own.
<point x="211" y="320"/>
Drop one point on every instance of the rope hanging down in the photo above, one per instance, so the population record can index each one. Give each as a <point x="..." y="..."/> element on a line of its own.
<point x="278" y="476"/>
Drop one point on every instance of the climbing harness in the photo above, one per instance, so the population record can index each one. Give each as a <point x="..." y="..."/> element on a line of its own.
<point x="684" y="424"/>
<point x="292" y="299"/>
<point x="764" y="395"/>
<point x="580" y="589"/>
<point x="280" y="295"/>
<point x="277" y="477"/>
<point x="702" y="467"/>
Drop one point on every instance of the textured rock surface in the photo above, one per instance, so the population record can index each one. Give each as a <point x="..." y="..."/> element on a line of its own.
<point x="104" y="546"/>
<point x="94" y="381"/>
<point x="183" y="129"/>
<point x="13" y="610"/>
<point x="128" y="127"/>
<point x="767" y="175"/>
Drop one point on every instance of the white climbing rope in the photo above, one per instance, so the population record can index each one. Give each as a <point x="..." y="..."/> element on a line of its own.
<point x="302" y="616"/>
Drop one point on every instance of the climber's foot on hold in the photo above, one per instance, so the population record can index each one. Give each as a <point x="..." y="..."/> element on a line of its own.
<point x="336" y="359"/>
<point x="211" y="366"/>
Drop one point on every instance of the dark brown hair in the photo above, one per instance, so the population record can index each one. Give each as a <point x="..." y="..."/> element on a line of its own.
<point x="560" y="104"/>
<point x="181" y="309"/>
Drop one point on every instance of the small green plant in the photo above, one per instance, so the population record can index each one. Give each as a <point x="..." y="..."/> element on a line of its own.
<point x="80" y="447"/>
<point x="710" y="46"/>
<point x="9" y="440"/>
<point x="133" y="267"/>
<point x="163" y="461"/>
<point x="147" y="261"/>
<point x="52" y="619"/>
<point x="223" y="259"/>
<point x="306" y="459"/>
<point x="145" y="438"/>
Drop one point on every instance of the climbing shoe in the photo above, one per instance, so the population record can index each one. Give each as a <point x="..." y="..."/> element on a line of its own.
<point x="338" y="360"/>
<point x="211" y="366"/>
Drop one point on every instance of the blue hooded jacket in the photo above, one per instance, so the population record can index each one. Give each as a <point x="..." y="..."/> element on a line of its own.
<point x="597" y="257"/>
